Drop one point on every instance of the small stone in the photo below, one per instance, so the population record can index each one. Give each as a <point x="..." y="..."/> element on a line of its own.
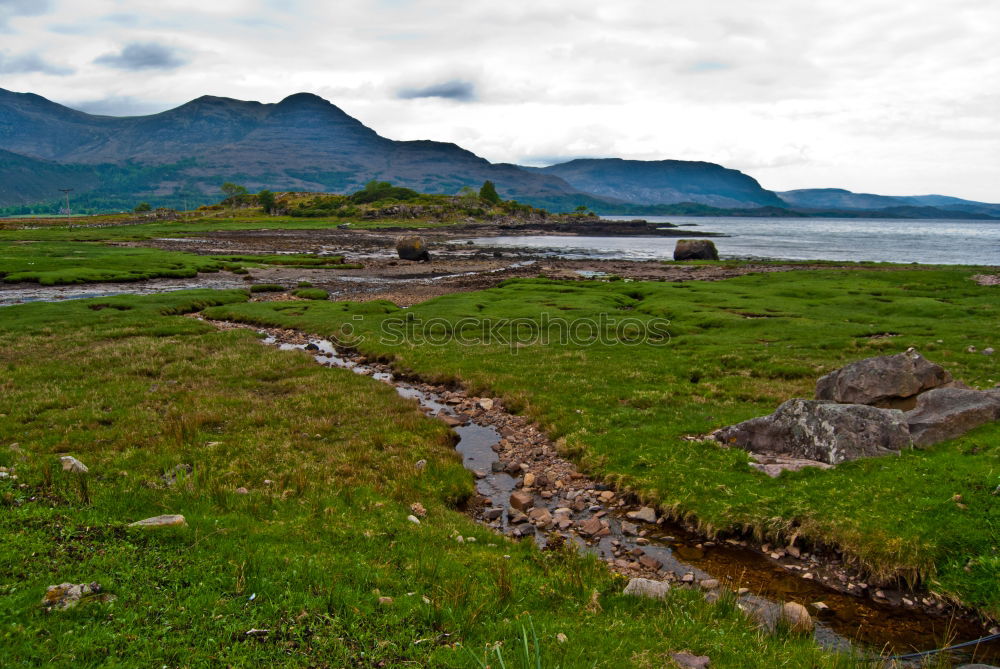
<point x="420" y="464"/>
<point x="521" y="500"/>
<point x="988" y="351"/>
<point x="645" y="587"/>
<point x="561" y="638"/>
<point x="71" y="464"/>
<point x="590" y="526"/>
<point x="794" y="552"/>
<point x="650" y="562"/>
<point x="689" y="661"/>
<point x="797" y="618"/>
<point x="607" y="496"/>
<point x="541" y="517"/>
<point x="418" y="509"/>
<point x="743" y="591"/>
<point x="709" y="584"/>
<point x="170" y="520"/>
<point x="493" y="514"/>
<point x="242" y="491"/>
<point x="413" y="519"/>
<point x="547" y="494"/>
<point x="479" y="473"/>
<point x="645" y="514"/>
<point x="385" y="601"/>
<point x="486" y="404"/>
<point x="808" y="576"/>
<point x="687" y="578"/>
<point x="971" y="349"/>
<point x="529" y="480"/>
<point x="629" y="528"/>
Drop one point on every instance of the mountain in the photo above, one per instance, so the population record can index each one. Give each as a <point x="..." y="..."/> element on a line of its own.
<point x="25" y="180"/>
<point x="663" y="182"/>
<point x="301" y="143"/>
<point x="920" y="206"/>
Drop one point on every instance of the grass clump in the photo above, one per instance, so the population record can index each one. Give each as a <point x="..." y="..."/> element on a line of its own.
<point x="625" y="406"/>
<point x="311" y="294"/>
<point x="303" y="555"/>
<point x="267" y="288"/>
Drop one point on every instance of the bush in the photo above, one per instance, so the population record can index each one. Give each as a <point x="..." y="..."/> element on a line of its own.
<point x="141" y="207"/>
<point x="375" y="191"/>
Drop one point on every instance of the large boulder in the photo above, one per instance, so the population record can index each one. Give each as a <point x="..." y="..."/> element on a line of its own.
<point x="946" y="413"/>
<point x="822" y="430"/>
<point x="412" y="248"/>
<point x="695" y="249"/>
<point x="886" y="381"/>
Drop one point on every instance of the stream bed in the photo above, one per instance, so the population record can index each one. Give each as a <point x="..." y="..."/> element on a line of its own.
<point x="636" y="541"/>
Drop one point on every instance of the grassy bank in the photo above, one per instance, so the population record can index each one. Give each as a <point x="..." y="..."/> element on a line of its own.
<point x="737" y="348"/>
<point x="328" y="463"/>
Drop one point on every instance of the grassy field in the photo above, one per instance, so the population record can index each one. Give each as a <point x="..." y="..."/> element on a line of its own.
<point x="52" y="263"/>
<point x="328" y="462"/>
<point x="736" y="349"/>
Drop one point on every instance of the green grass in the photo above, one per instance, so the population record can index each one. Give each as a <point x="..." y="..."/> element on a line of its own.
<point x="311" y="294"/>
<point x="50" y="263"/>
<point x="737" y="349"/>
<point x="133" y="389"/>
<point x="296" y="260"/>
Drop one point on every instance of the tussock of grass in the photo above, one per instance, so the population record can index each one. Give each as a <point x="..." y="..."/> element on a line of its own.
<point x="327" y="456"/>
<point x="623" y="410"/>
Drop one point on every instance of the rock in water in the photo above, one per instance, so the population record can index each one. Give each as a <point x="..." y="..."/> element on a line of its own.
<point x="695" y="249"/>
<point x="886" y="381"/>
<point x="412" y="248"/>
<point x="521" y="500"/>
<point x="161" y="521"/>
<point x="820" y="430"/>
<point x="647" y="587"/>
<point x="797" y="618"/>
<point x="946" y="413"/>
<point x="71" y="464"/>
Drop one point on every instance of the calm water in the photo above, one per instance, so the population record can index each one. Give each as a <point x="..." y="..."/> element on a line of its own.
<point x="939" y="242"/>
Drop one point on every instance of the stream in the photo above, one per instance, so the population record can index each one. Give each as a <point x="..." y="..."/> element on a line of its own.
<point x="847" y="615"/>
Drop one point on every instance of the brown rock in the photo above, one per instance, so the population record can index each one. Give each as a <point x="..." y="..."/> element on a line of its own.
<point x="695" y="249"/>
<point x="591" y="526"/>
<point x="689" y="661"/>
<point x="521" y="500"/>
<point x="797" y="618"/>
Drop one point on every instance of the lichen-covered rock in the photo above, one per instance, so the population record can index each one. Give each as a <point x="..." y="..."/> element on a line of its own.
<point x="890" y="381"/>
<point x="412" y="248"/>
<point x="821" y="430"/>
<point x="946" y="413"/>
<point x="68" y="595"/>
<point x="695" y="249"/>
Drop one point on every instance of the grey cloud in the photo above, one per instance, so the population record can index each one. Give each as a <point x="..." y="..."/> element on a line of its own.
<point x="30" y="62"/>
<point x="143" y="56"/>
<point x="706" y="66"/>
<point x="464" y="91"/>
<point x="11" y="8"/>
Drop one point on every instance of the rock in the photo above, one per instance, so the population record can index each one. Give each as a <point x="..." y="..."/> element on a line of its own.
<point x="529" y="480"/>
<point x="886" y="381"/>
<point x="689" y="661"/>
<point x="420" y="464"/>
<point x="493" y="514"/>
<point x="71" y="464"/>
<point x="821" y="430"/>
<point x="242" y="491"/>
<point x="418" y="509"/>
<point x="988" y="351"/>
<point x="562" y="638"/>
<point x="67" y="595"/>
<point x="629" y="528"/>
<point x="170" y="520"/>
<point x="541" y="517"/>
<point x="413" y="519"/>
<point x="687" y="578"/>
<point x="513" y="468"/>
<point x="647" y="587"/>
<point x="976" y="666"/>
<point x="516" y="517"/>
<point x="645" y="514"/>
<point x="479" y="473"/>
<point x="946" y="413"/>
<point x="709" y="584"/>
<point x="695" y="249"/>
<point x="412" y="248"/>
<point x="486" y="404"/>
<point x="591" y="526"/>
<point x="650" y="562"/>
<point x="797" y="618"/>
<point x="385" y="601"/>
<point x="521" y="500"/>
<point x="453" y="421"/>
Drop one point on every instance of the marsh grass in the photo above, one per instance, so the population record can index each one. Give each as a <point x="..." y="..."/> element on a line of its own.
<point x="136" y="389"/>
<point x="737" y="349"/>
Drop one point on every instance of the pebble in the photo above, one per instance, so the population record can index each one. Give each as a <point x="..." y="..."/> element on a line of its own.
<point x="385" y="601"/>
<point x="242" y="491"/>
<point x="493" y="514"/>
<point x="418" y="509"/>
<point x="420" y="464"/>
<point x="413" y="519"/>
<point x="529" y="480"/>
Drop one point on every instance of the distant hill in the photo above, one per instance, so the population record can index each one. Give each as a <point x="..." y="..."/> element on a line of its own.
<point x="25" y="180"/>
<point x="664" y="182"/>
<point x="927" y="206"/>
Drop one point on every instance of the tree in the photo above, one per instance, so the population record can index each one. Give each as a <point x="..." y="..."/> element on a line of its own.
<point x="267" y="202"/>
<point x="489" y="192"/>
<point x="235" y="194"/>
<point x="142" y="206"/>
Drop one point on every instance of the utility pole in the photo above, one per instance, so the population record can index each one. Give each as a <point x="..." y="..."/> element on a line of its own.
<point x="67" y="191"/>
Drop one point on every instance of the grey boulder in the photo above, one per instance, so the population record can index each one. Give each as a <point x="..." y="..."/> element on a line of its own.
<point x="885" y="381"/>
<point x="821" y="430"/>
<point x="946" y="413"/>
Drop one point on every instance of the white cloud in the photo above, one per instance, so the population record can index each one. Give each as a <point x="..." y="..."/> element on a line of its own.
<point x="880" y="96"/>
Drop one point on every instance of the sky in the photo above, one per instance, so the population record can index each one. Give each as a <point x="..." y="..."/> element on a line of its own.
<point x="898" y="97"/>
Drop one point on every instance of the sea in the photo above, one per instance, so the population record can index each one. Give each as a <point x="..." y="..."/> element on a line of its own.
<point x="940" y="242"/>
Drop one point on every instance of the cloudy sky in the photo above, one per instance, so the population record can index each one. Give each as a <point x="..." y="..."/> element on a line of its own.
<point x="886" y="96"/>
